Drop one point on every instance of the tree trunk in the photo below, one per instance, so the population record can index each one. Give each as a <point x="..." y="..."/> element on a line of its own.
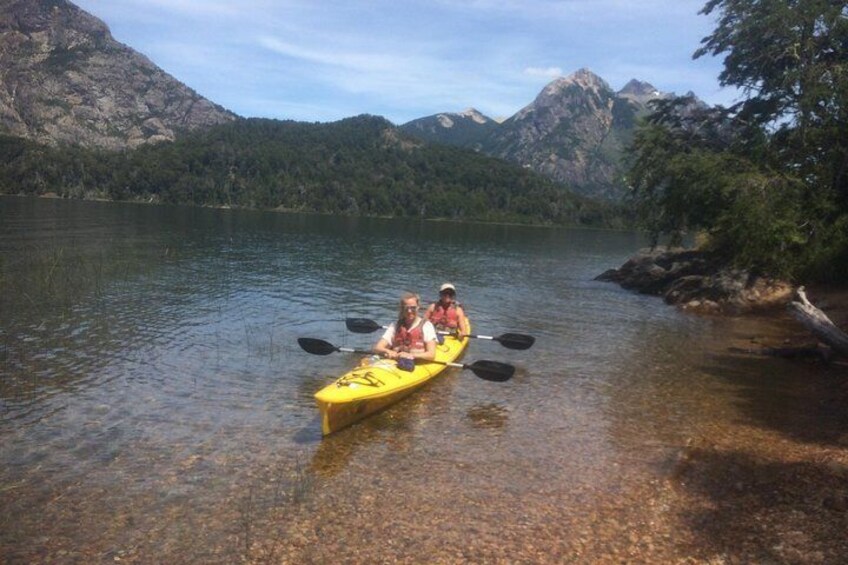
<point x="817" y="322"/>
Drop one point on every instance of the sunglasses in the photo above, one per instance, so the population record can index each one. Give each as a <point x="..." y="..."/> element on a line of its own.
<point x="410" y="308"/>
<point x="448" y="293"/>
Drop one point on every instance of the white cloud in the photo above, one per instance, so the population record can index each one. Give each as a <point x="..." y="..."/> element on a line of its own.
<point x="371" y="62"/>
<point x="546" y="72"/>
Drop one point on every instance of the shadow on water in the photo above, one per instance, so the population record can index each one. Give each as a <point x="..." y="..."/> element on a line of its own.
<point x="775" y="500"/>
<point x="747" y="507"/>
<point x="802" y="400"/>
<point x="310" y="434"/>
<point x="335" y="452"/>
<point x="490" y="416"/>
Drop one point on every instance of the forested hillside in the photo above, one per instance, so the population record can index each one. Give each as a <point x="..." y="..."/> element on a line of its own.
<point x="362" y="165"/>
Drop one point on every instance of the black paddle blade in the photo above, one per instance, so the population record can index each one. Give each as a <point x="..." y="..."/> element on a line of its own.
<point x="362" y="325"/>
<point x="316" y="346"/>
<point x="516" y="341"/>
<point x="491" y="370"/>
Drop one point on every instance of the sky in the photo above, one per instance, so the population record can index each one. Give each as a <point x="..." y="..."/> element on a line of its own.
<point x="325" y="60"/>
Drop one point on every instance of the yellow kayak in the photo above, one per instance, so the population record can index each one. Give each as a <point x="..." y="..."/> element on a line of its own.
<point x="374" y="385"/>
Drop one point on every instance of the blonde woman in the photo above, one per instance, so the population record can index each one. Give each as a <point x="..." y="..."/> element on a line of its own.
<point x="410" y="337"/>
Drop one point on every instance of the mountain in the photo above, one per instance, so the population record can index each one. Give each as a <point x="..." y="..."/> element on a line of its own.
<point x="571" y="132"/>
<point x="463" y="128"/>
<point x="640" y="92"/>
<point x="575" y="132"/>
<point x="64" y="79"/>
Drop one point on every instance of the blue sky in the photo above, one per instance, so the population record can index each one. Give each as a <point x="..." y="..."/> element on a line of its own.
<point x="323" y="60"/>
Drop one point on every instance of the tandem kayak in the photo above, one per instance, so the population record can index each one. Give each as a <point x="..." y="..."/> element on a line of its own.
<point x="376" y="384"/>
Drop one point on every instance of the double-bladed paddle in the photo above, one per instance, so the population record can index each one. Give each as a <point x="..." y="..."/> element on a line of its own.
<point x="508" y="340"/>
<point x="487" y="370"/>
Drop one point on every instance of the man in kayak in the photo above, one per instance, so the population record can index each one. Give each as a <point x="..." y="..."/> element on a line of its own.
<point x="410" y="337"/>
<point x="447" y="314"/>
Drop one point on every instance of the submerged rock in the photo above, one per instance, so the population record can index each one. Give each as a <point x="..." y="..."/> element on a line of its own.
<point x="698" y="281"/>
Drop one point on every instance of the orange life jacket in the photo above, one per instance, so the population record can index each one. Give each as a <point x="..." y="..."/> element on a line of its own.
<point x="409" y="340"/>
<point x="445" y="318"/>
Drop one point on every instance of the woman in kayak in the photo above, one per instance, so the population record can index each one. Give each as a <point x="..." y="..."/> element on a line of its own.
<point x="447" y="314"/>
<point x="410" y="337"/>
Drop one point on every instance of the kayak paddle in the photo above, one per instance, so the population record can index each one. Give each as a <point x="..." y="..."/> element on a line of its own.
<point x="508" y="340"/>
<point x="487" y="370"/>
<point x="362" y="325"/>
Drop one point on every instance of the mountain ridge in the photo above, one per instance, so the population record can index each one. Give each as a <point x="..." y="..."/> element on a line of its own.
<point x="575" y="131"/>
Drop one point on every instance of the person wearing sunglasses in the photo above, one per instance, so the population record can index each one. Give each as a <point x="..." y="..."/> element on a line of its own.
<point x="408" y="338"/>
<point x="447" y="314"/>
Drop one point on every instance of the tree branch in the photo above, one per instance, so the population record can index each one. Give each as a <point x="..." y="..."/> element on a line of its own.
<point x="817" y="322"/>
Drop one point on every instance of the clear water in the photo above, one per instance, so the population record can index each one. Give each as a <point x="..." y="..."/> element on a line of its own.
<point x="154" y="405"/>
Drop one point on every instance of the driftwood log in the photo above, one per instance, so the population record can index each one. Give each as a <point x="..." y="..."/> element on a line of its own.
<point x="819" y="324"/>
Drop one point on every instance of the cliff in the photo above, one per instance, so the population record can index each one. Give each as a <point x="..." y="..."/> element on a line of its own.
<point x="65" y="79"/>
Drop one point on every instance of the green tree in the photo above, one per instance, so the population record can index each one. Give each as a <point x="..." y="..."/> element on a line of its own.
<point x="767" y="178"/>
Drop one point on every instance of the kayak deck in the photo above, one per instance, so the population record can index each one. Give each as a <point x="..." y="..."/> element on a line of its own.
<point x="372" y="386"/>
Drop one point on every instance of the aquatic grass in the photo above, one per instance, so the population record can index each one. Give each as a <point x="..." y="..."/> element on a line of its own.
<point x="56" y="277"/>
<point x="53" y="279"/>
<point x="42" y="288"/>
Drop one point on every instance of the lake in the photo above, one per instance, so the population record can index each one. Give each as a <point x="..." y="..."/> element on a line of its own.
<point x="155" y="406"/>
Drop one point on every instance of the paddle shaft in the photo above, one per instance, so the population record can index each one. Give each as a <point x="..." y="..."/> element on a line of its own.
<point x="508" y="340"/>
<point x="470" y="335"/>
<point x="486" y="370"/>
<point x="364" y="325"/>
<point x="352" y="350"/>
<point x="366" y="352"/>
<point x="440" y="332"/>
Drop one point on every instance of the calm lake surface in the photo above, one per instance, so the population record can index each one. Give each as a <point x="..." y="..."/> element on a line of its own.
<point x="155" y="407"/>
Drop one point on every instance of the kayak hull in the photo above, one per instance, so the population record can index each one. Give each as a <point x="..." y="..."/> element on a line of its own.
<point x="373" y="386"/>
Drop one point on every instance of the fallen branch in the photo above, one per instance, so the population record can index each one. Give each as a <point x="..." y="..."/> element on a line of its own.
<point x="817" y="322"/>
<point x="819" y="353"/>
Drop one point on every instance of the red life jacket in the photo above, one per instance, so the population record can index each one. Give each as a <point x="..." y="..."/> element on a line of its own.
<point x="409" y="340"/>
<point x="445" y="318"/>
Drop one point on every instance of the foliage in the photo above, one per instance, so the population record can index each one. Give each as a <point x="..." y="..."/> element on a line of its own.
<point x="767" y="178"/>
<point x="357" y="166"/>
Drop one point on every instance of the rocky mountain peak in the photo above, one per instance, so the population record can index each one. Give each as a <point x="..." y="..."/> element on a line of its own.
<point x="450" y="119"/>
<point x="587" y="79"/>
<point x="64" y="25"/>
<point x="64" y="79"/>
<point x="560" y="96"/>
<point x="475" y="116"/>
<point x="581" y="80"/>
<point x="640" y="91"/>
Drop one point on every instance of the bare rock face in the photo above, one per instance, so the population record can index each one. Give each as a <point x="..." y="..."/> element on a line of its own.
<point x="64" y="79"/>
<point x="700" y="282"/>
<point x="562" y="133"/>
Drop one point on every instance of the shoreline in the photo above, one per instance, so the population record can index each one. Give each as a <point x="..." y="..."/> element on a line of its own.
<point x="773" y="491"/>
<point x="699" y="283"/>
<point x="283" y="210"/>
